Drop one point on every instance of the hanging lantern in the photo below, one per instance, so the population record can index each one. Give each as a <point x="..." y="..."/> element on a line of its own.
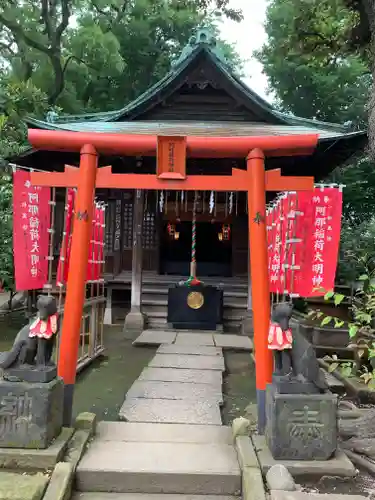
<point x="224" y="234"/>
<point x="171" y="230"/>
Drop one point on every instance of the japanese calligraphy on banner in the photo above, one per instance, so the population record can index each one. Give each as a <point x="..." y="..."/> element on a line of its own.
<point x="303" y="232"/>
<point x="96" y="251"/>
<point x="63" y="266"/>
<point x="31" y="224"/>
<point x="323" y="226"/>
<point x="276" y="248"/>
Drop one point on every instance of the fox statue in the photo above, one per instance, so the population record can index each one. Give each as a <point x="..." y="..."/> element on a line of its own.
<point x="35" y="342"/>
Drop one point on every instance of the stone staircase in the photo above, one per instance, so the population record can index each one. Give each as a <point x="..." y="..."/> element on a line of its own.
<point x="155" y="298"/>
<point x="171" y="445"/>
<point x="159" y="459"/>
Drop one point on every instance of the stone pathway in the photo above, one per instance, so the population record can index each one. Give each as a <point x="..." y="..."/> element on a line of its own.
<point x="171" y="439"/>
<point x="185" y="338"/>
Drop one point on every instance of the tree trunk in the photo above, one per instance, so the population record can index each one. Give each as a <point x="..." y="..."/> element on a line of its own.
<point x="369" y="7"/>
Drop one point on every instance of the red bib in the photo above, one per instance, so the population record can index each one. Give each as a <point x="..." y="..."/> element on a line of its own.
<point x="44" y="329"/>
<point x="278" y="340"/>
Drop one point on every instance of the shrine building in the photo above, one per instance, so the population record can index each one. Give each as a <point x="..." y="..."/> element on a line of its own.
<point x="200" y="96"/>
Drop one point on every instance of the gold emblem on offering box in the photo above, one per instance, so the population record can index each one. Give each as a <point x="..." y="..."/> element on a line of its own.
<point x="195" y="300"/>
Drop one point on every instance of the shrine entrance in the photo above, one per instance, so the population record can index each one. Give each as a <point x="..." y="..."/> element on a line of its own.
<point x="171" y="174"/>
<point x="213" y="252"/>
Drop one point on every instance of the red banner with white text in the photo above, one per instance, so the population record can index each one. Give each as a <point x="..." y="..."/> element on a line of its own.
<point x="323" y="227"/>
<point x="303" y="240"/>
<point x="63" y="265"/>
<point x="31" y="224"/>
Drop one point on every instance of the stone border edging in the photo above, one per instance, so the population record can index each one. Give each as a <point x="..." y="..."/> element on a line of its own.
<point x="252" y="479"/>
<point x="61" y="482"/>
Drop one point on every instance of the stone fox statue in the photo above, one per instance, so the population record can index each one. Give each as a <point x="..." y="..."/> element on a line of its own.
<point x="35" y="342"/>
<point x="280" y="338"/>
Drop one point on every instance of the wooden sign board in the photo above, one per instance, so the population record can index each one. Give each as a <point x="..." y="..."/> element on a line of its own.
<point x="171" y="157"/>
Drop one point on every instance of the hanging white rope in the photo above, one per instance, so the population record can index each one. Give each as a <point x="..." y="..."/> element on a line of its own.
<point x="212" y="202"/>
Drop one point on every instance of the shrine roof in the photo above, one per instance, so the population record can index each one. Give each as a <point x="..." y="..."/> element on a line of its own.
<point x="201" y="49"/>
<point x="185" y="128"/>
<point x="201" y="61"/>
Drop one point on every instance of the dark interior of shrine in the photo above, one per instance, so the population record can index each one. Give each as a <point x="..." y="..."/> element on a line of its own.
<point x="213" y="249"/>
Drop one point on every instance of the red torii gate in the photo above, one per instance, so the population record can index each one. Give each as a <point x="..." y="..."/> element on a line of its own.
<point x="171" y="154"/>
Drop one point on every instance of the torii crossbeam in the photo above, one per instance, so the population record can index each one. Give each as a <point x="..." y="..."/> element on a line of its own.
<point x="171" y="153"/>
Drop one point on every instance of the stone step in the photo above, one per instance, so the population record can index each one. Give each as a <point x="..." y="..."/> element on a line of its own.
<point x="163" y="290"/>
<point x="192" y="362"/>
<point x="170" y="411"/>
<point x="229" y="315"/>
<point x="144" y="496"/>
<point x="140" y="467"/>
<point x="163" y="433"/>
<point x="229" y="303"/>
<point x="190" y="350"/>
<point x="151" y="389"/>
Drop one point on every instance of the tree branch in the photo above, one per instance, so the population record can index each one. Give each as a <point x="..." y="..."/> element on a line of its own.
<point x="65" y="16"/>
<point x="98" y="9"/>
<point x="45" y="16"/>
<point x="8" y="47"/>
<point x="16" y="29"/>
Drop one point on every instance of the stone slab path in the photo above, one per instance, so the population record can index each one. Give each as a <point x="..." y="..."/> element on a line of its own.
<point x="171" y="439"/>
<point x="181" y="385"/>
<point x="184" y="338"/>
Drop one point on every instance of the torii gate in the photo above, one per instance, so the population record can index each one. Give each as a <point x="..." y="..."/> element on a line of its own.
<point x="171" y="155"/>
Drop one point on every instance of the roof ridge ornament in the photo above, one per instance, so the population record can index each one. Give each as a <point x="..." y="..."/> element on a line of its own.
<point x="202" y="37"/>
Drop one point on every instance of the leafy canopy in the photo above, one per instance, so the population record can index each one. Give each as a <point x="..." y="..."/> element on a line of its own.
<point x="307" y="62"/>
<point x="95" y="55"/>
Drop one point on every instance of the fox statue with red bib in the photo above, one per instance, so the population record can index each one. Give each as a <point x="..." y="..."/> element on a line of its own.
<point x="34" y="344"/>
<point x="280" y="338"/>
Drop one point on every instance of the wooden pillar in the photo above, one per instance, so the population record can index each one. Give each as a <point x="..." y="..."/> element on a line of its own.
<point x="75" y="294"/>
<point x="134" y="321"/>
<point x="259" y="278"/>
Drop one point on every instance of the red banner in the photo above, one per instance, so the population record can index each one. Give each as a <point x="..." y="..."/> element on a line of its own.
<point x="96" y="252"/>
<point x="101" y="241"/>
<point x="31" y="223"/>
<point x="303" y="240"/>
<point x="91" y="261"/>
<point x="63" y="265"/>
<point x="323" y="227"/>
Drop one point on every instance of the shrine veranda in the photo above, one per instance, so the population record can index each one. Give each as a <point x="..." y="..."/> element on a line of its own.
<point x="197" y="139"/>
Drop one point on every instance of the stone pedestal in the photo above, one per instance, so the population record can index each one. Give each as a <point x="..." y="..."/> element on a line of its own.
<point x="107" y="320"/>
<point x="135" y="323"/>
<point x="30" y="413"/>
<point x="247" y="327"/>
<point x="301" y="426"/>
<point x="31" y="374"/>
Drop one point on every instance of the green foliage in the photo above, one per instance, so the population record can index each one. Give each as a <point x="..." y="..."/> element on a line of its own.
<point x="361" y="327"/>
<point x="95" y="55"/>
<point x="308" y="64"/>
<point x="359" y="193"/>
<point x="315" y="73"/>
<point x="82" y="56"/>
<point x="6" y="245"/>
<point x="17" y="99"/>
